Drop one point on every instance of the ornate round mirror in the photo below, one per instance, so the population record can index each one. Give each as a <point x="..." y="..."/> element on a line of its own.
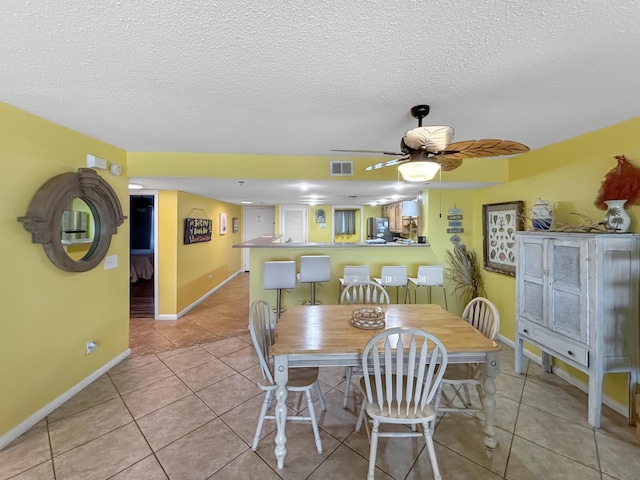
<point x="73" y="216"/>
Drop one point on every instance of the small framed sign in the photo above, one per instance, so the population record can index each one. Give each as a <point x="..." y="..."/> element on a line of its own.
<point x="197" y="230"/>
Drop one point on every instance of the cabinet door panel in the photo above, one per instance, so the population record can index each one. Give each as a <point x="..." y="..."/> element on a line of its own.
<point x="532" y="306"/>
<point x="531" y="278"/>
<point x="569" y="287"/>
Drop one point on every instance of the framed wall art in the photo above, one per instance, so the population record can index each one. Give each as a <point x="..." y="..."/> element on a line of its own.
<point x="500" y="222"/>
<point x="234" y="224"/>
<point x="223" y="224"/>
<point x="197" y="230"/>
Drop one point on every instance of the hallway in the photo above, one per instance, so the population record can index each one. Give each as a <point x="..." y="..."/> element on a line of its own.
<point x="225" y="313"/>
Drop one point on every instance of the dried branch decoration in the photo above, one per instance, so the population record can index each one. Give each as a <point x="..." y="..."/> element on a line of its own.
<point x="620" y="183"/>
<point x="464" y="271"/>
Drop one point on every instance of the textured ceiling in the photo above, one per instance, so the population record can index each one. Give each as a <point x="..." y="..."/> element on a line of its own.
<point x="301" y="78"/>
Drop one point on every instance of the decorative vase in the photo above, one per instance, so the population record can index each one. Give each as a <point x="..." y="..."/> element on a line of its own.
<point x="541" y="215"/>
<point x="616" y="218"/>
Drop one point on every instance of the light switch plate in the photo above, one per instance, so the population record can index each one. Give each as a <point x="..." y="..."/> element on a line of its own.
<point x="110" y="261"/>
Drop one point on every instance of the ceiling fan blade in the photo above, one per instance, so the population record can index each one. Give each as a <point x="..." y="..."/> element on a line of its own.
<point x="382" y="152"/>
<point x="390" y="163"/>
<point x="482" y="148"/>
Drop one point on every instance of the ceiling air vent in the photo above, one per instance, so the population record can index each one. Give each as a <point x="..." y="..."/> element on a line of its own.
<point x="342" y="168"/>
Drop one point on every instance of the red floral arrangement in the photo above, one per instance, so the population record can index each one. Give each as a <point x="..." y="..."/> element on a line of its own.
<point x="621" y="183"/>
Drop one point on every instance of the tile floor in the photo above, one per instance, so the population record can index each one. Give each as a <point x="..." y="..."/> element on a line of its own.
<point x="189" y="412"/>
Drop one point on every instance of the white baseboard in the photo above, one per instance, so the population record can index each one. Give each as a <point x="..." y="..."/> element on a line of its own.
<point x="176" y="316"/>
<point x="608" y="401"/>
<point x="22" y="427"/>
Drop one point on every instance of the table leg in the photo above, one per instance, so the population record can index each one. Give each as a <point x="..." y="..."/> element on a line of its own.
<point x="281" y="373"/>
<point x="492" y="367"/>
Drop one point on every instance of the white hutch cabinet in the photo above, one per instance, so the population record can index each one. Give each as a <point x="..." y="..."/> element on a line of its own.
<point x="577" y="300"/>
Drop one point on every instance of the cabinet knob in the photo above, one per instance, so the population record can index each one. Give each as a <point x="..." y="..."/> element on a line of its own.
<point x="570" y="353"/>
<point x="525" y="330"/>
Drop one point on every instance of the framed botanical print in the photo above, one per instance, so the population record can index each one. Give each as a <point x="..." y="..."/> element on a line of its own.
<point x="500" y="222"/>
<point x="223" y="224"/>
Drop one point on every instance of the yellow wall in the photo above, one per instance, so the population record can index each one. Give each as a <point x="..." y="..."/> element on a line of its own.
<point x="184" y="271"/>
<point x="48" y="314"/>
<point x="436" y="204"/>
<point x="319" y="232"/>
<point x="569" y="172"/>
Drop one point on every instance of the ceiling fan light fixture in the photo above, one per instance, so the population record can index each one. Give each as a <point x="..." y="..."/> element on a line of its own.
<point x="418" y="171"/>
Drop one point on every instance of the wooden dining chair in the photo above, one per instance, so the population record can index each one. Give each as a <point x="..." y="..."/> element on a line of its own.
<point x="484" y="316"/>
<point x="360" y="292"/>
<point x="262" y="323"/>
<point x="405" y="368"/>
<point x="364" y="292"/>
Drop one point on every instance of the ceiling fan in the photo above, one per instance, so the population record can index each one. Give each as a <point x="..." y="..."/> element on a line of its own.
<point x="425" y="150"/>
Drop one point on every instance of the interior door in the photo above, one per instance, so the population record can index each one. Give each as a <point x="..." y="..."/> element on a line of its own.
<point x="257" y="221"/>
<point x="294" y="224"/>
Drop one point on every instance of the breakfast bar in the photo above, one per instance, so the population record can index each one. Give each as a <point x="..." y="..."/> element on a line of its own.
<point x="376" y="255"/>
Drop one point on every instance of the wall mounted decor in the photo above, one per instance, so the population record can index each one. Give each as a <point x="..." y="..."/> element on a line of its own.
<point x="500" y="222"/>
<point x="223" y="224"/>
<point x="46" y="211"/>
<point x="321" y="216"/>
<point x="197" y="230"/>
<point x="234" y="224"/>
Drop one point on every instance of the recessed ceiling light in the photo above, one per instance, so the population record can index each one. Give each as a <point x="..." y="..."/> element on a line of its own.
<point x="395" y="197"/>
<point x="246" y="202"/>
<point x="304" y="187"/>
<point x="135" y="186"/>
<point x="373" y="204"/>
<point x="314" y="197"/>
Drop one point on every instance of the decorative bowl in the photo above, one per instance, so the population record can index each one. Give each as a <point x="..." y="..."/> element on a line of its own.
<point x="368" y="318"/>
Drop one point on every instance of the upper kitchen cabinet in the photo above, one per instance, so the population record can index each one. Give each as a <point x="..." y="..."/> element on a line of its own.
<point x="397" y="223"/>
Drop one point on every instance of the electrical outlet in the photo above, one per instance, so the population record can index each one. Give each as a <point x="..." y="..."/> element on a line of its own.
<point x="91" y="346"/>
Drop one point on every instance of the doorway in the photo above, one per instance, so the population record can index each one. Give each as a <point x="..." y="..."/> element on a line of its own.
<point x="294" y="226"/>
<point x="256" y="221"/>
<point x="143" y="261"/>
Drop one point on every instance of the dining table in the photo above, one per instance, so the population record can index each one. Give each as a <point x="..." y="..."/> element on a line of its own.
<point x="323" y="335"/>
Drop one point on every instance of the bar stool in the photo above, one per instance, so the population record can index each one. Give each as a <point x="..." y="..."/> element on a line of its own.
<point x="314" y="269"/>
<point x="429" y="276"/>
<point x="353" y="273"/>
<point x="279" y="275"/>
<point x="395" y="276"/>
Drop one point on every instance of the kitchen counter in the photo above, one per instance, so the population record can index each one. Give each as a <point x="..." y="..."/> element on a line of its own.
<point x="274" y="242"/>
<point x="265" y="249"/>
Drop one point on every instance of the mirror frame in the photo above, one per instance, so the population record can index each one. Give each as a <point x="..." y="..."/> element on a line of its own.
<point x="44" y="216"/>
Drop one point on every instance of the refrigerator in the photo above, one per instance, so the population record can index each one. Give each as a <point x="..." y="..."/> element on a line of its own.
<point x="378" y="227"/>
